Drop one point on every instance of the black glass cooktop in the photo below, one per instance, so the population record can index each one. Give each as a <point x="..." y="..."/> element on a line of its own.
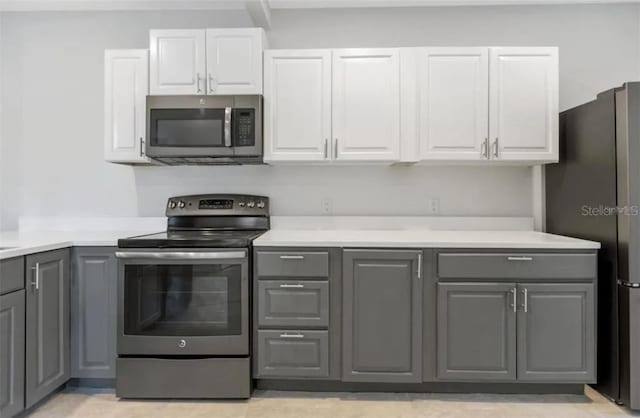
<point x="192" y="239"/>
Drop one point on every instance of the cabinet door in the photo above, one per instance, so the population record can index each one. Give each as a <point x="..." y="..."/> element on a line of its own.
<point x="93" y="313"/>
<point x="11" y="353"/>
<point x="382" y="316"/>
<point x="476" y="331"/>
<point x="126" y="85"/>
<point x="177" y="61"/>
<point x="297" y="105"/>
<point x="234" y="61"/>
<point x="524" y="103"/>
<point x="366" y="104"/>
<point x="47" y="326"/>
<point x="454" y="103"/>
<point x="556" y="333"/>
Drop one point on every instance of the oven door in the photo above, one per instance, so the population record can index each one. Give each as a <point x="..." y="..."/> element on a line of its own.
<point x="183" y="302"/>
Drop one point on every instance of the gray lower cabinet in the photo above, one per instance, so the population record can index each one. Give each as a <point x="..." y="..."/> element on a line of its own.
<point x="293" y="353"/>
<point x="529" y="332"/>
<point x="556" y="332"/>
<point x="382" y="316"/>
<point x="12" y="345"/>
<point x="47" y="323"/>
<point x="293" y="303"/>
<point x="476" y="331"/>
<point x="93" y="312"/>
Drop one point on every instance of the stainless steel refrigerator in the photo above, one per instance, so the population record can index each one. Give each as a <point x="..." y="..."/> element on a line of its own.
<point x="594" y="193"/>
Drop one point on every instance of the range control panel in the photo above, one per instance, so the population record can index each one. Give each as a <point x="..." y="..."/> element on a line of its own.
<point x="218" y="205"/>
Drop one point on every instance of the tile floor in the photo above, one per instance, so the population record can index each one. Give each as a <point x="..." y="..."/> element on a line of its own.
<point x="102" y="403"/>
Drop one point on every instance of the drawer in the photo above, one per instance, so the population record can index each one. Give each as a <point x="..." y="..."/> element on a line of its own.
<point x="517" y="266"/>
<point x="293" y="353"/>
<point x="293" y="264"/>
<point x="293" y="303"/>
<point x="11" y="274"/>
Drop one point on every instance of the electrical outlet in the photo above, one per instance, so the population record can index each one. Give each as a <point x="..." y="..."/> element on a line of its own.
<point x="326" y="205"/>
<point x="433" y="206"/>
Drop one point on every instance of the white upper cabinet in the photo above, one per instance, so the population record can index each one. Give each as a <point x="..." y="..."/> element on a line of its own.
<point x="524" y="104"/>
<point x="125" y="90"/>
<point x="234" y="61"/>
<point x="177" y="62"/>
<point x="453" y="99"/>
<point x="297" y="105"/>
<point x="366" y="104"/>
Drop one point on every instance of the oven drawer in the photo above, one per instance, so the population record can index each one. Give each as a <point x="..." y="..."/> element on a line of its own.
<point x="293" y="303"/>
<point x="293" y="353"/>
<point x="293" y="264"/>
<point x="516" y="265"/>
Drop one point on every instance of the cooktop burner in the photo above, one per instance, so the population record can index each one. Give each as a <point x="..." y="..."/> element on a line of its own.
<point x="208" y="221"/>
<point x="189" y="239"/>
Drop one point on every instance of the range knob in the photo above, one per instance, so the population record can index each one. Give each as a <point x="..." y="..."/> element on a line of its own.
<point x="181" y="204"/>
<point x="172" y="205"/>
<point x="251" y="204"/>
<point x="241" y="204"/>
<point x="261" y="204"/>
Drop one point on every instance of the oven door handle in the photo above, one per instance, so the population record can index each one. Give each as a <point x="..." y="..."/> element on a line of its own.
<point x="181" y="255"/>
<point x="227" y="126"/>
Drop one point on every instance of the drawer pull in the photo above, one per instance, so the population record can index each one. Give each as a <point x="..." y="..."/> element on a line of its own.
<point x="292" y="257"/>
<point x="296" y="286"/>
<point x="520" y="258"/>
<point x="291" y="335"/>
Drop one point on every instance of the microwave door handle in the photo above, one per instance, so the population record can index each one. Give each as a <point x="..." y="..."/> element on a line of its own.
<point x="227" y="126"/>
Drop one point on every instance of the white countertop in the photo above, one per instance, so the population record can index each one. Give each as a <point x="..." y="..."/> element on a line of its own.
<point x="29" y="242"/>
<point x="420" y="239"/>
<point x="377" y="232"/>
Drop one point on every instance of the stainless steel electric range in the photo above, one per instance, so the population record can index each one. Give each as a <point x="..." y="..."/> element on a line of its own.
<point x="183" y="300"/>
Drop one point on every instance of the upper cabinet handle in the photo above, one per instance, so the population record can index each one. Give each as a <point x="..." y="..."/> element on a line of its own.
<point x="213" y="84"/>
<point x="496" y="149"/>
<point x="484" y="150"/>
<point x="198" y="79"/>
<point x="335" y="149"/>
<point x="141" y="147"/>
<point x="326" y="148"/>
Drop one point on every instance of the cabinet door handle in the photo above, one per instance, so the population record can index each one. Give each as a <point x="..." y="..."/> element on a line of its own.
<point x="520" y="258"/>
<point x="286" y="335"/>
<point x="292" y="257"/>
<point x="420" y="266"/>
<point x="495" y="150"/>
<point x="198" y="79"/>
<point x="141" y="147"/>
<point x="326" y="148"/>
<point x="36" y="270"/>
<point x="295" y="286"/>
<point x="335" y="149"/>
<point x="213" y="84"/>
<point x="514" y="304"/>
<point x="525" y="305"/>
<point x="484" y="151"/>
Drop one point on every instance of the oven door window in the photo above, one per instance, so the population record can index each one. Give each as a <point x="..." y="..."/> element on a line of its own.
<point x="183" y="300"/>
<point x="187" y="128"/>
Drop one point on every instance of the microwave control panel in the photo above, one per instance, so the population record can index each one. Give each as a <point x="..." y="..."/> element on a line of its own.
<point x="244" y="127"/>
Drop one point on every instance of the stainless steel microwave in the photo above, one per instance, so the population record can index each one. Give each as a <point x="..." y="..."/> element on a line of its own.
<point x="194" y="130"/>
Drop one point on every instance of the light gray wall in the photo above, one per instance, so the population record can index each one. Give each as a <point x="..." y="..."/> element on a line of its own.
<point x="52" y="123"/>
<point x="599" y="44"/>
